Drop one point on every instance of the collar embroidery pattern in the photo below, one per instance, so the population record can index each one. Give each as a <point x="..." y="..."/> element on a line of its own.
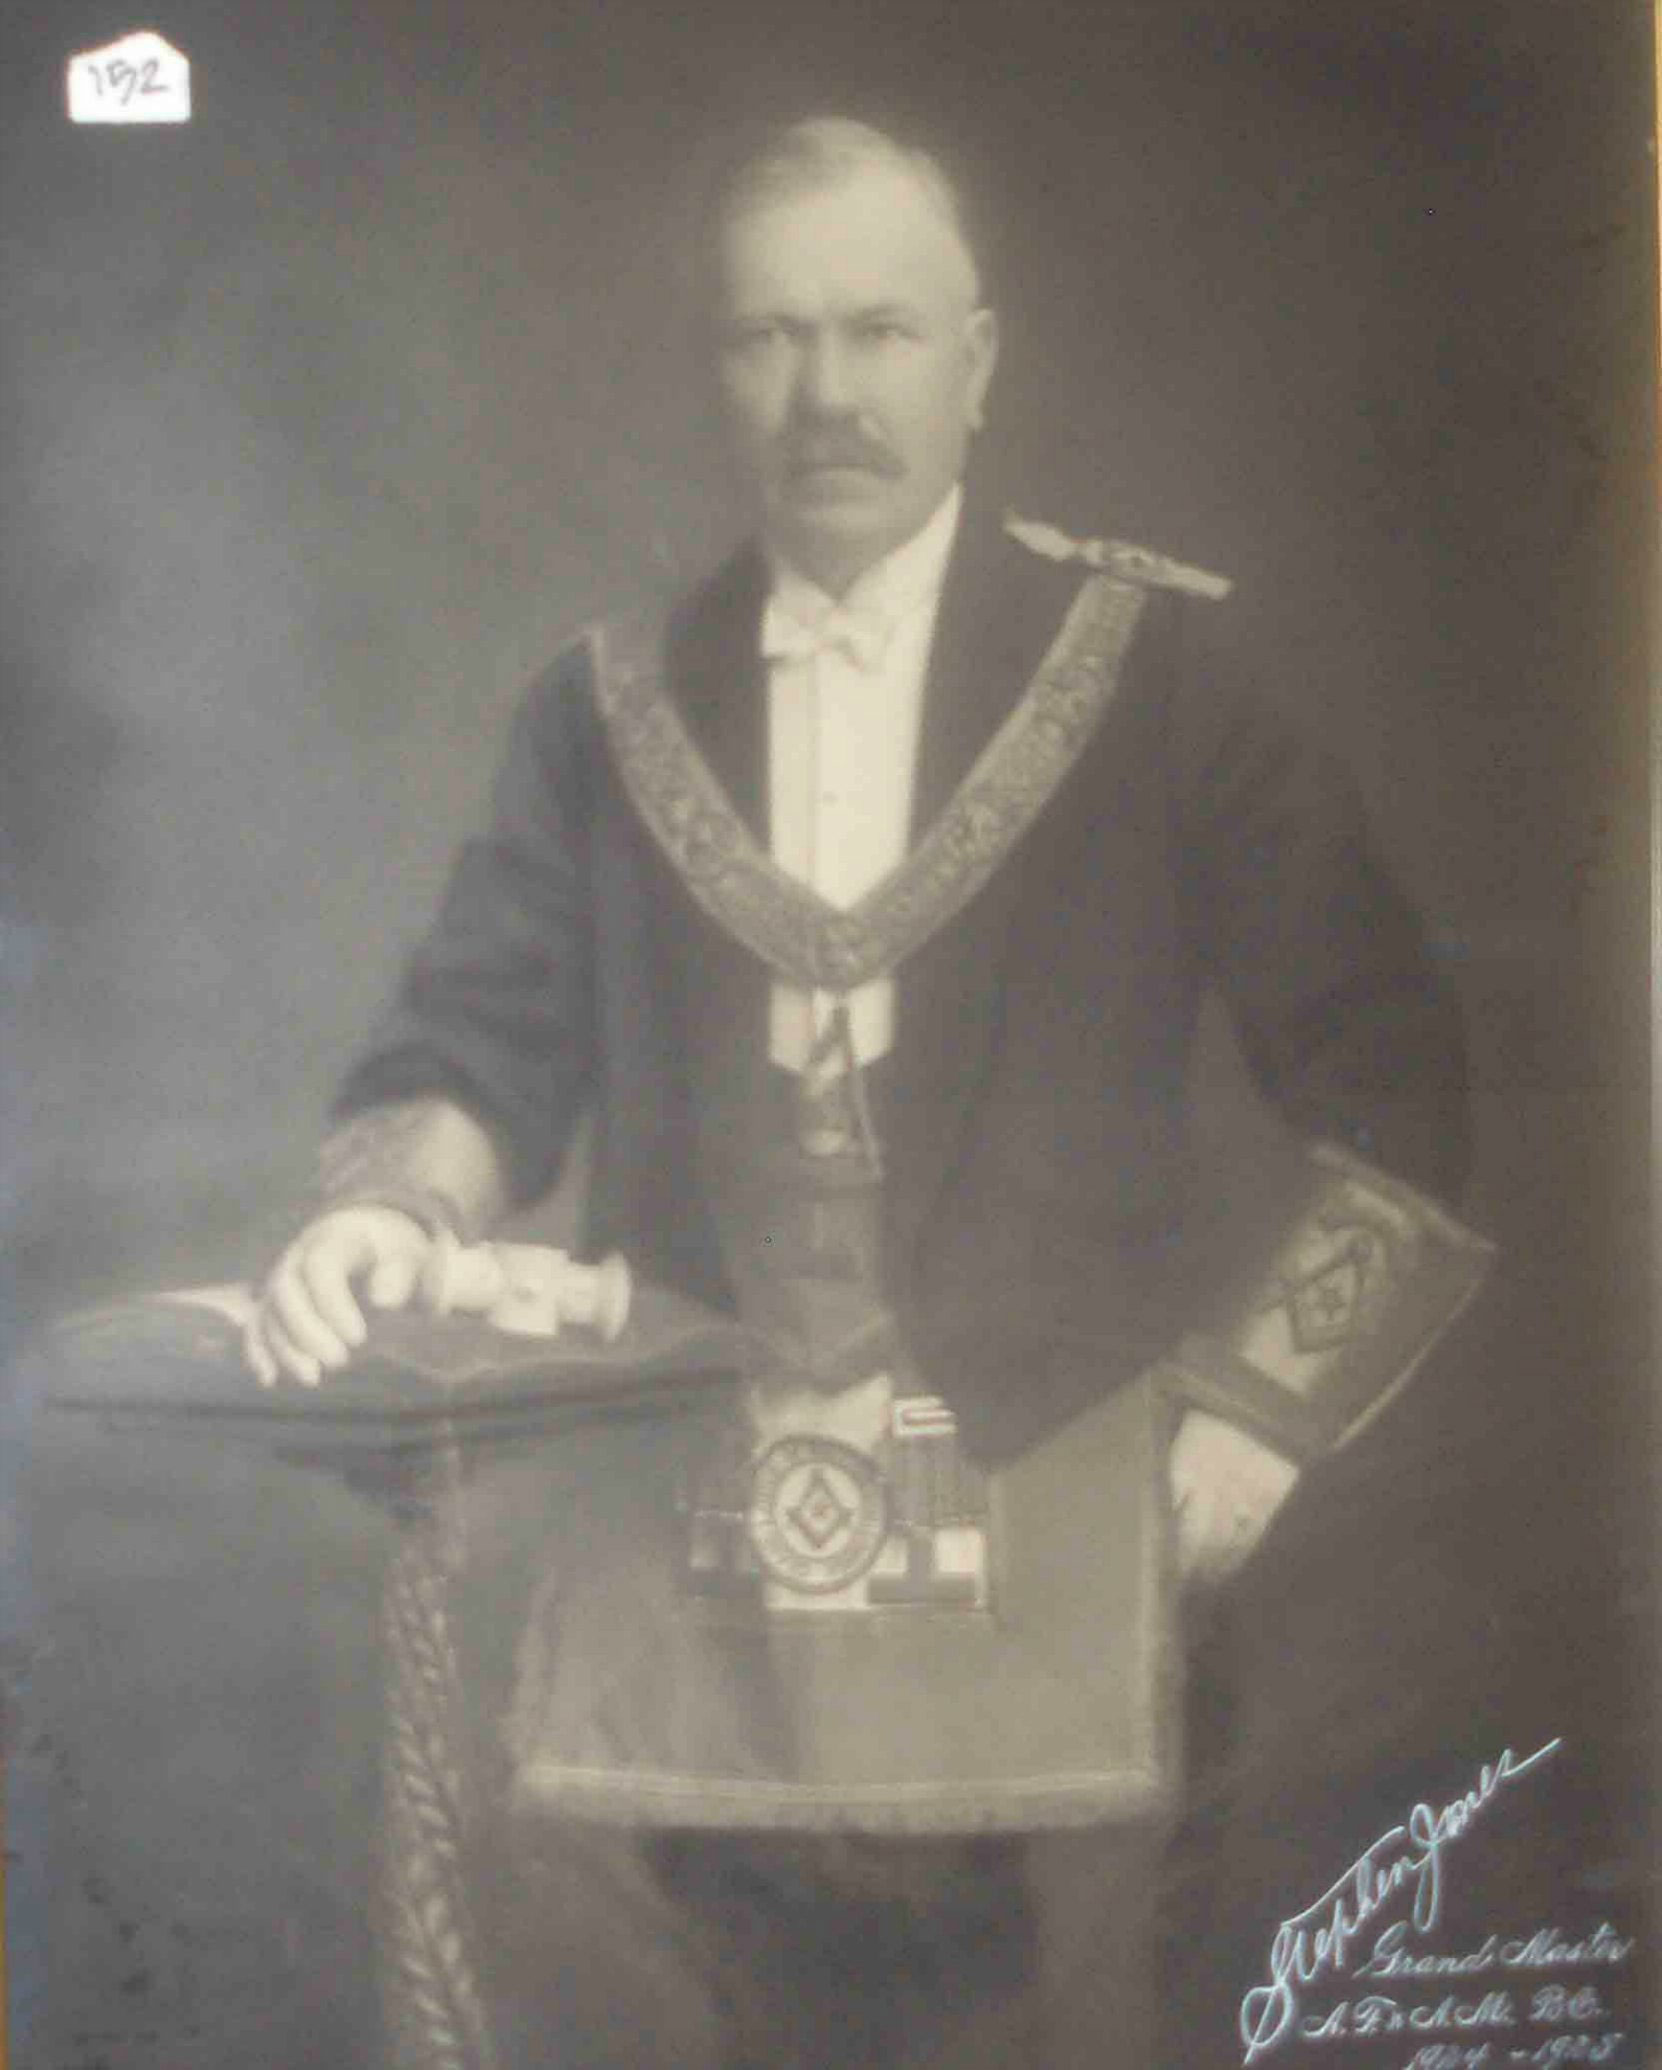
<point x="801" y="937"/>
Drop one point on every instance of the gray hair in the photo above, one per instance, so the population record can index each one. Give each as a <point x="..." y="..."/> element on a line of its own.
<point x="799" y="157"/>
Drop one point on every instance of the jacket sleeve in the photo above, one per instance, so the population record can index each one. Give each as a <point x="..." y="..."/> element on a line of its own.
<point x="495" y="1010"/>
<point x="1348" y="1026"/>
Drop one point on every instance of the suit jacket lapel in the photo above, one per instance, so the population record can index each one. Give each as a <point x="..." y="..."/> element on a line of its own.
<point x="715" y="675"/>
<point x="969" y="689"/>
<point x="1000" y="610"/>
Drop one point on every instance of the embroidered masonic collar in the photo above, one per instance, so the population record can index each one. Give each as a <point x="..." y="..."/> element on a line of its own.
<point x="801" y="937"/>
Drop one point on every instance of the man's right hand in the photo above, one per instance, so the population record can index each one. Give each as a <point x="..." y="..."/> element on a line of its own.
<point x="308" y="1319"/>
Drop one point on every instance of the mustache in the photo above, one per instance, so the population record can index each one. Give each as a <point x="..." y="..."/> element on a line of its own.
<point x="830" y="445"/>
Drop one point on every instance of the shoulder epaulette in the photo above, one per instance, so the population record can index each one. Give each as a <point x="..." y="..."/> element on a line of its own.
<point x="1114" y="556"/>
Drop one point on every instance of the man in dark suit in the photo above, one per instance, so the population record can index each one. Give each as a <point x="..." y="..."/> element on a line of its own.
<point x="1001" y="1054"/>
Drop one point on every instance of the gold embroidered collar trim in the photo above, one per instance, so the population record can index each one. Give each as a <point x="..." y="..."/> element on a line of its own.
<point x="802" y="938"/>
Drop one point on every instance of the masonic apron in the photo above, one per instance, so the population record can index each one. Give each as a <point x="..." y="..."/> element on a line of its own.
<point x="810" y="1610"/>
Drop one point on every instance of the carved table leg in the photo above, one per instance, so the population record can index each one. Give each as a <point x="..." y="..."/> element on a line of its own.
<point x="435" y="2012"/>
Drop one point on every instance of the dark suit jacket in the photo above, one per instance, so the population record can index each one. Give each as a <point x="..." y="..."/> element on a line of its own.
<point x="1034" y="1104"/>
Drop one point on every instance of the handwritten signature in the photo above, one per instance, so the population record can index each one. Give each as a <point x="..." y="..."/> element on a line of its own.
<point x="1409" y="1857"/>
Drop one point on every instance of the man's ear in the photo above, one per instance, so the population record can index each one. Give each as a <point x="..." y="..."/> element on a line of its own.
<point x="981" y="348"/>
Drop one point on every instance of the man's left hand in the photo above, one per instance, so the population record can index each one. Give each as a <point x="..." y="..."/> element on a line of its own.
<point x="1225" y="1488"/>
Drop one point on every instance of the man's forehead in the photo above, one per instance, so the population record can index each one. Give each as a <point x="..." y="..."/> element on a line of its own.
<point x="873" y="237"/>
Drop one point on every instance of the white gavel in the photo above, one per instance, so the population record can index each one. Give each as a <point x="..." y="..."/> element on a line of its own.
<point x="527" y="1289"/>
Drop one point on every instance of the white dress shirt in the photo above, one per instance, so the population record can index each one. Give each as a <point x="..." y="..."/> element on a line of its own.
<point x="845" y="705"/>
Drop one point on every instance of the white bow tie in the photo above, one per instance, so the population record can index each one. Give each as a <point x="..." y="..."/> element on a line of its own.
<point x="860" y="632"/>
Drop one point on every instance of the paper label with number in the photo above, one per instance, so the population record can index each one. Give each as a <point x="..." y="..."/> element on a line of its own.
<point x="139" y="78"/>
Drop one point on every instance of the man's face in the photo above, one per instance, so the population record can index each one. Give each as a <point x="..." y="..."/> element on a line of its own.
<point x="852" y="361"/>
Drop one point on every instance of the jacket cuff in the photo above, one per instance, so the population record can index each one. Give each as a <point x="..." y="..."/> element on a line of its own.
<point x="1365" y="1278"/>
<point x="419" y="1157"/>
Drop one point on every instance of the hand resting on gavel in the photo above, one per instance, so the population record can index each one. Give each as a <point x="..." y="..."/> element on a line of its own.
<point x="309" y="1318"/>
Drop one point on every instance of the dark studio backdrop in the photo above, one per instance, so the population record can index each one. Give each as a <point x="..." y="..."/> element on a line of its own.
<point x="330" y="414"/>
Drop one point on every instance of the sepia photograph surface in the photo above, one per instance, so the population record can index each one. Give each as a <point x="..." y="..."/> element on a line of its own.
<point x="825" y="1036"/>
